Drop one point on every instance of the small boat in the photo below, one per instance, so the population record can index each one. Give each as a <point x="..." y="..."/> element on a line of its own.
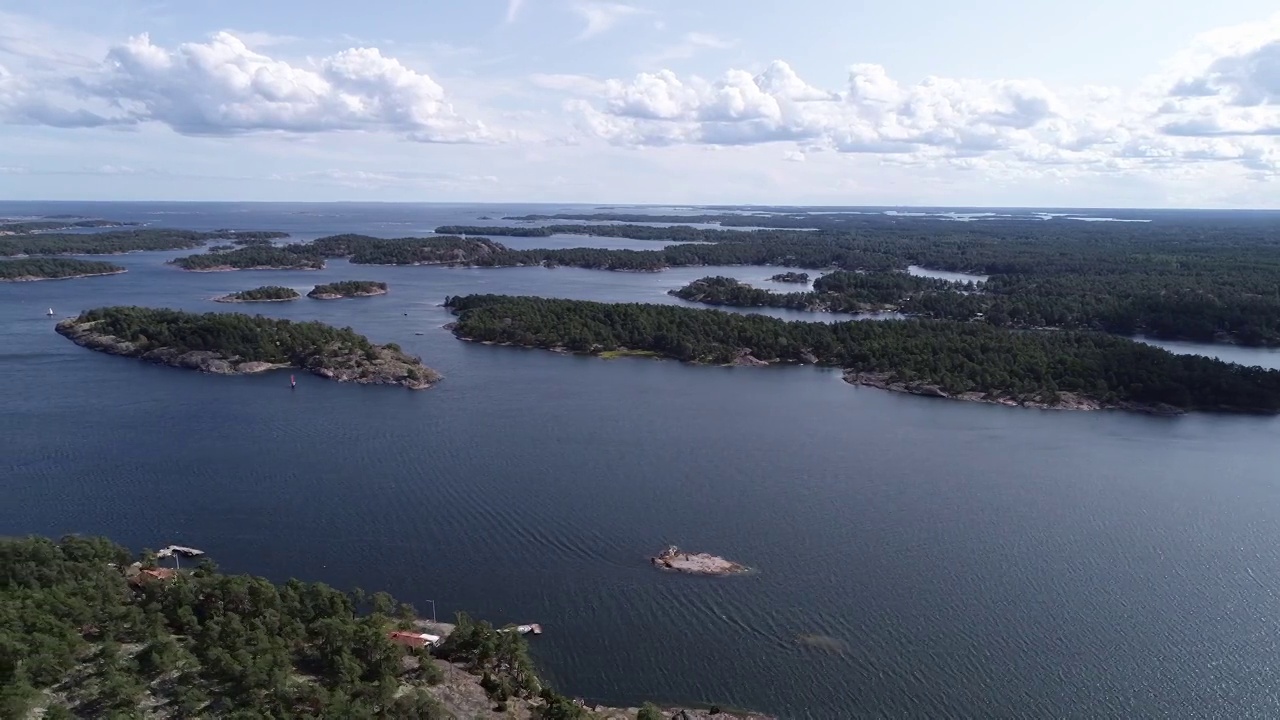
<point x="50" y="313"/>
<point x="293" y="384"/>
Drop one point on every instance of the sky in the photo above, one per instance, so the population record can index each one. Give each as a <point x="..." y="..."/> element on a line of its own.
<point x="1140" y="103"/>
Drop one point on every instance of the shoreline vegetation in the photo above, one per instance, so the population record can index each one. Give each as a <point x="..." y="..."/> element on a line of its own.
<point x="791" y="277"/>
<point x="1208" y="280"/>
<point x="266" y="293"/>
<point x="962" y="361"/>
<point x="29" y="227"/>
<point x="35" y="269"/>
<point x="237" y="344"/>
<point x="348" y="289"/>
<point x="358" y="249"/>
<point x="116" y="242"/>
<point x="91" y="630"/>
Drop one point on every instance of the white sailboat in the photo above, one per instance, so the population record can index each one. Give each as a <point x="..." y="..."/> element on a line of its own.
<point x="50" y="313"/>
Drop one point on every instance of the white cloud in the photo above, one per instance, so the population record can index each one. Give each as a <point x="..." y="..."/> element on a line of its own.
<point x="1219" y="102"/>
<point x="222" y="87"/>
<point x="601" y="16"/>
<point x="793" y="156"/>
<point x="566" y="83"/>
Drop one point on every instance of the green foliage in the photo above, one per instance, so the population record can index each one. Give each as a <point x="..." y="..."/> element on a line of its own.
<point x="289" y="257"/>
<point x="958" y="357"/>
<point x="649" y="711"/>
<point x="53" y="268"/>
<point x="839" y="291"/>
<point x="249" y="337"/>
<point x="31" y="226"/>
<point x="114" y="241"/>
<point x="1180" y="278"/>
<point x="265" y="293"/>
<point x="349" y="288"/>
<point x="501" y="658"/>
<point x="790" y="277"/>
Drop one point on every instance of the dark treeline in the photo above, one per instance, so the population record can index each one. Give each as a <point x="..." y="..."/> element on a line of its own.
<point x="836" y="292"/>
<point x="253" y="257"/>
<point x="113" y="241"/>
<point x="349" y="288"/>
<point x="31" y="226"/>
<point x="251" y="337"/>
<point x="53" y="268"/>
<point x="957" y="357"/>
<point x="1182" y="278"/>
<point x="791" y="277"/>
<point x="264" y="293"/>
<point x="360" y="249"/>
<point x="501" y="230"/>
<point x="78" y="639"/>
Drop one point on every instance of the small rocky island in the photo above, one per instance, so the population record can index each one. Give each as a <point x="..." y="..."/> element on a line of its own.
<point x="237" y="344"/>
<point x="348" y="289"/>
<point x="676" y="560"/>
<point x="266" y="293"/>
<point x="791" y="277"/>
<point x="31" y="269"/>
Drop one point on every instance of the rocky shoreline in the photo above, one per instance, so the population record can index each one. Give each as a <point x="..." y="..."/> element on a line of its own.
<point x="884" y="381"/>
<point x="390" y="366"/>
<point x="676" y="560"/>
<point x="229" y="299"/>
<point x="1066" y="401"/>
<point x="337" y="296"/>
<point x="228" y="268"/>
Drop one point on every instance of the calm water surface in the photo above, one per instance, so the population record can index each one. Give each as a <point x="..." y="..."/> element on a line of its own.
<point x="959" y="560"/>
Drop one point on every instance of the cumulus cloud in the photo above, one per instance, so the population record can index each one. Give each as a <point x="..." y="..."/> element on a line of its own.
<point x="513" y="9"/>
<point x="222" y="87"/>
<point x="1217" y="102"/>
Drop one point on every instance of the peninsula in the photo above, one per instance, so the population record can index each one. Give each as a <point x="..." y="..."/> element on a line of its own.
<point x="266" y="293"/>
<point x="29" y="269"/>
<point x="676" y="560"/>
<point x="114" y="242"/>
<point x="233" y="343"/>
<point x="359" y="249"/>
<point x="99" y="632"/>
<point x="965" y="361"/>
<point x="348" y="289"/>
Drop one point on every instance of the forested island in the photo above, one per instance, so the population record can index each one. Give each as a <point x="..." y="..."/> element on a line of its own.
<point x="359" y="249"/>
<point x="267" y="293"/>
<point x="88" y="630"/>
<point x="969" y="361"/>
<point x="232" y="343"/>
<point x="1205" y="280"/>
<point x="26" y="227"/>
<point x="258" y="257"/>
<point x="791" y="277"/>
<point x="348" y="289"/>
<point x="113" y="242"/>
<point x="29" y="269"/>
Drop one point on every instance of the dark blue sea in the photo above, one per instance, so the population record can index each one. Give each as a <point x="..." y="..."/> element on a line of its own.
<point x="915" y="557"/>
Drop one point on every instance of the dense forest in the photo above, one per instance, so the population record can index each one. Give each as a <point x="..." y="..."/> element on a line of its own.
<point x="54" y="268"/>
<point x="957" y="357"/>
<point x="168" y="336"/>
<point x="359" y="249"/>
<point x="258" y="257"/>
<point x="267" y="293"/>
<point x="115" y="241"/>
<point x="839" y="291"/>
<point x="1188" y="278"/>
<point x="84" y="632"/>
<point x="348" y="288"/>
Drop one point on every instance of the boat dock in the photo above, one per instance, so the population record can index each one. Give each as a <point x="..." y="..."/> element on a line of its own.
<point x="530" y="629"/>
<point x="179" y="550"/>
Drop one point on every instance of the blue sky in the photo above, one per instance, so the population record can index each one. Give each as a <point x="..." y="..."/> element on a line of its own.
<point x="994" y="102"/>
